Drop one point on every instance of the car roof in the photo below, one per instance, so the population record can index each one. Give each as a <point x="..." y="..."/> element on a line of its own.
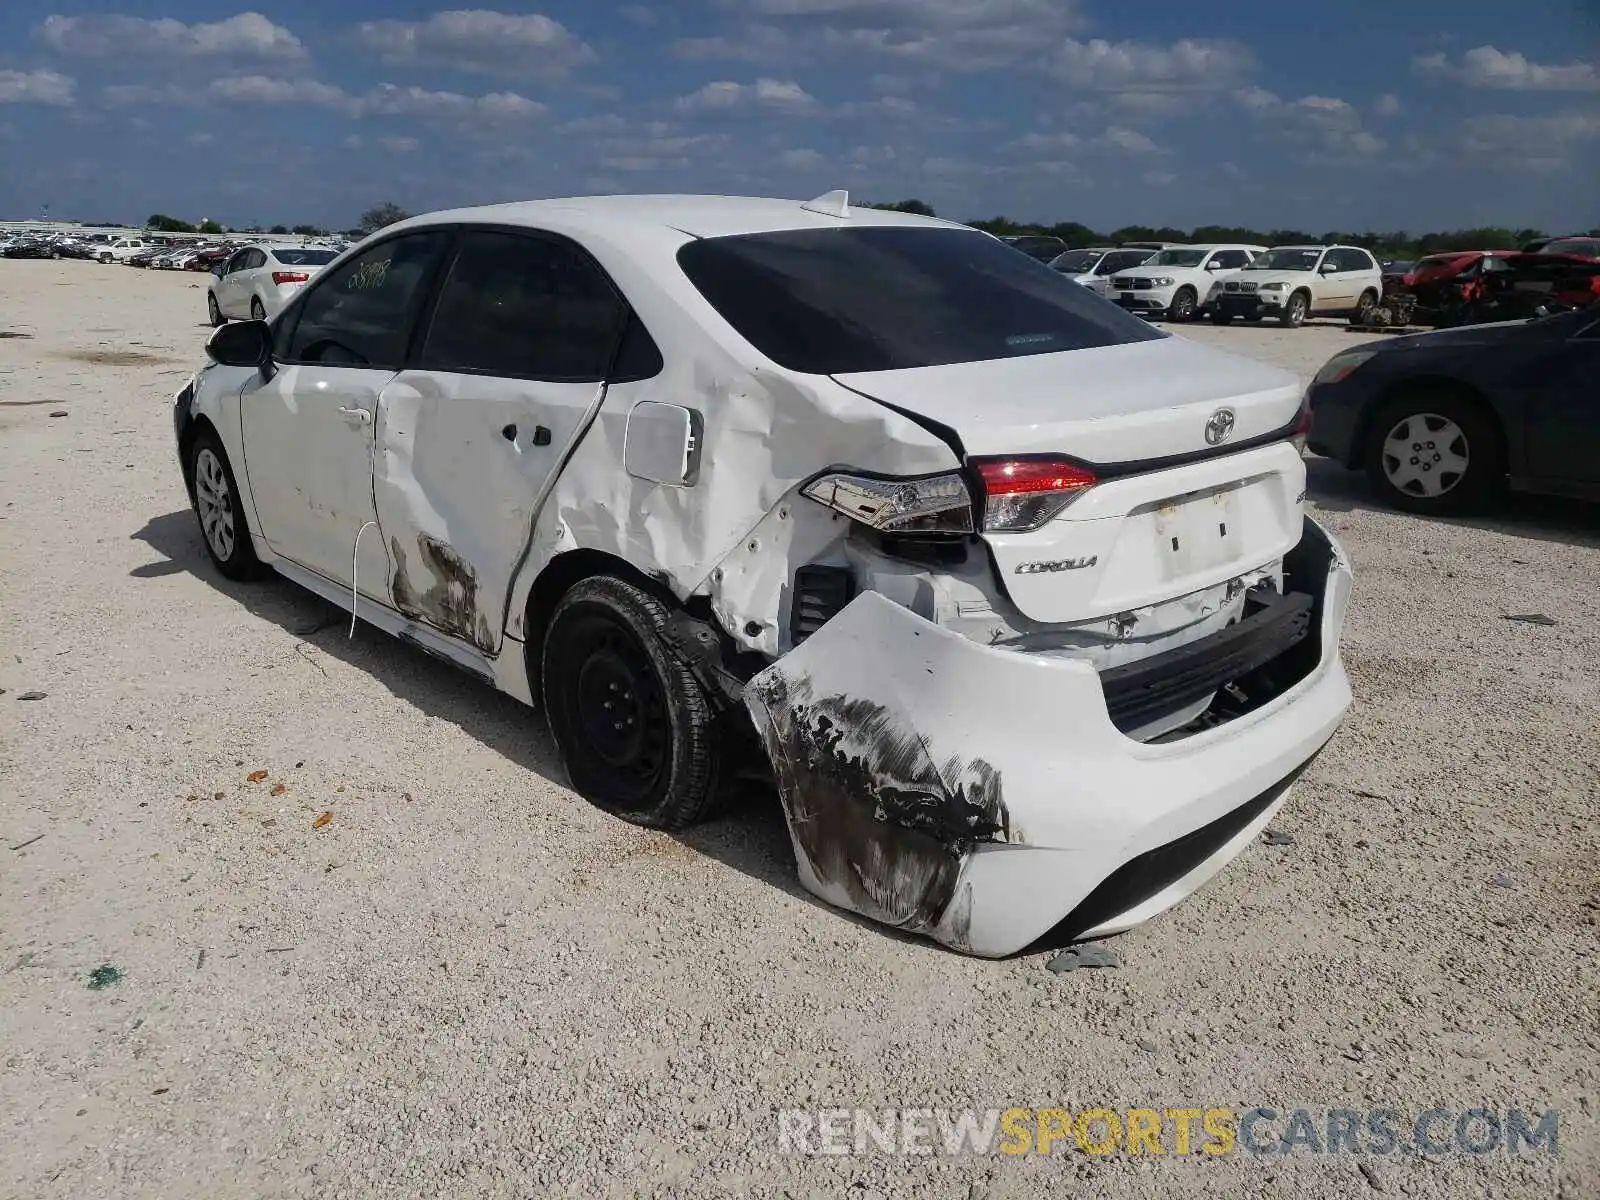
<point x="696" y="216"/>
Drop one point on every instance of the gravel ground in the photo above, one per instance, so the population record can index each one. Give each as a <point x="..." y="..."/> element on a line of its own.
<point x="469" y="982"/>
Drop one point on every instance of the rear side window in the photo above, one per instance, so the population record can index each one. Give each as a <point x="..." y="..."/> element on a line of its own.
<point x="525" y="307"/>
<point x="360" y="314"/>
<point x="836" y="301"/>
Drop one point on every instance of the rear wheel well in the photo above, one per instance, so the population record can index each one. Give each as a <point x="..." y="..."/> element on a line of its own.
<point x="559" y="574"/>
<point x="1421" y="385"/>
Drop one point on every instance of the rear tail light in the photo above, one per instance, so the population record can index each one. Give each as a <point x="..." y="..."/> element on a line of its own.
<point x="1022" y="494"/>
<point x="281" y="277"/>
<point x="1302" y="428"/>
<point x="931" y="504"/>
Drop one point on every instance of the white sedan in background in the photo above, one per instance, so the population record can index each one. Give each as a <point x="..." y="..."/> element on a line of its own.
<point x="259" y="280"/>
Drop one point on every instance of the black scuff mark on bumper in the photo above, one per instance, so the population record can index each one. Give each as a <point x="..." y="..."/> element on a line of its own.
<point x="870" y="809"/>
<point x="451" y="603"/>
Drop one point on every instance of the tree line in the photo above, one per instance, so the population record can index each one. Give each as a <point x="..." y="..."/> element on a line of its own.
<point x="1396" y="244"/>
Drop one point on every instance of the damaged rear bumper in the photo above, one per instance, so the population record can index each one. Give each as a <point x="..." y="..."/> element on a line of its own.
<point x="985" y="797"/>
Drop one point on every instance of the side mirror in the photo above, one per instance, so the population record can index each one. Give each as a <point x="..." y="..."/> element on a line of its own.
<point x="1327" y="269"/>
<point x="242" y="344"/>
<point x="1213" y="265"/>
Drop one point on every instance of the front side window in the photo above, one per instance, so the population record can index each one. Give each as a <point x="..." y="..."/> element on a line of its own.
<point x="360" y="315"/>
<point x="524" y="307"/>
<point x="884" y="298"/>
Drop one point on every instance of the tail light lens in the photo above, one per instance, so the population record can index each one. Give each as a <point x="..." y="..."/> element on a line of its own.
<point x="281" y="277"/>
<point x="931" y="504"/>
<point x="1022" y="494"/>
<point x="1302" y="428"/>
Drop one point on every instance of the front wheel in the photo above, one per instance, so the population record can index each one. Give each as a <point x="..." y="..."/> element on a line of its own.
<point x="1183" y="306"/>
<point x="633" y="725"/>
<point x="1294" y="312"/>
<point x="1434" y="452"/>
<point x="221" y="513"/>
<point x="258" y="312"/>
<point x="212" y="311"/>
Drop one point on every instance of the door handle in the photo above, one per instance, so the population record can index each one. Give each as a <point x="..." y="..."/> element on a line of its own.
<point x="359" y="415"/>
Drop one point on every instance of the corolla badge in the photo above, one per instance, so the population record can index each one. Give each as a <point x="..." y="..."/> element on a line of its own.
<point x="1220" y="427"/>
<point x="1050" y="566"/>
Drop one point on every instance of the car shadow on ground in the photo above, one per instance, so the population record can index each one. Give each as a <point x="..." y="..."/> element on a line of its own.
<point x="752" y="838"/>
<point x="1333" y="487"/>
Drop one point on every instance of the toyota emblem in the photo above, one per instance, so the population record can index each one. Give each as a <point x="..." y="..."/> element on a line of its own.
<point x="1220" y="427"/>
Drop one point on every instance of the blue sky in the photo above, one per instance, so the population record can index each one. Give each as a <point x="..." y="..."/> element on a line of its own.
<point x="1358" y="114"/>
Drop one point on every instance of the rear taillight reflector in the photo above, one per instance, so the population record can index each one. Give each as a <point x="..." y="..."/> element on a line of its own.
<point x="1302" y="429"/>
<point x="1023" y="493"/>
<point x="281" y="277"/>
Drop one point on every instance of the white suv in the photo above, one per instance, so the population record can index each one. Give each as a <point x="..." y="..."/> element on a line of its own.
<point x="1178" y="281"/>
<point x="122" y="249"/>
<point x="1010" y="594"/>
<point x="1291" y="283"/>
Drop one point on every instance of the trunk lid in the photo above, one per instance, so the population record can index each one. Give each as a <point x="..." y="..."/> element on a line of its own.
<point x="1141" y="536"/>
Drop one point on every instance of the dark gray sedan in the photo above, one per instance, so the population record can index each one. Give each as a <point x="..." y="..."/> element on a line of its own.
<point x="1443" y="422"/>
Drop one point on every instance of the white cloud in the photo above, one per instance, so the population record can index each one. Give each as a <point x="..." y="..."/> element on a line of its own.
<point x="1045" y="143"/>
<point x="247" y="35"/>
<point x="399" y="145"/>
<point x="1137" y="105"/>
<point x="36" y="87"/>
<point x="660" y="148"/>
<point x="263" y="89"/>
<point x="1488" y="67"/>
<point x="1325" y="127"/>
<point x="601" y="123"/>
<point x="385" y="100"/>
<point x="1387" y="105"/>
<point x="522" y="44"/>
<point x="1190" y="64"/>
<point x="1131" y="140"/>
<point x="639" y="14"/>
<point x="802" y="160"/>
<point x="1158" y="178"/>
<point x="200" y="139"/>
<point x="724" y="96"/>
<point x="1518" y="135"/>
<point x="959" y="35"/>
<point x="942" y="167"/>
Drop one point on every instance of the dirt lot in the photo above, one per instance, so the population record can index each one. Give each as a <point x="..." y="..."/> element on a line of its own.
<point x="469" y="982"/>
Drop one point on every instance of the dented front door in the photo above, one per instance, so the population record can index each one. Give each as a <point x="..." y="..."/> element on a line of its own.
<point x="511" y="371"/>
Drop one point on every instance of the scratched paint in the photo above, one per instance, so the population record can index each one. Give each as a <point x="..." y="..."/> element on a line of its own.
<point x="869" y="807"/>
<point x="450" y="601"/>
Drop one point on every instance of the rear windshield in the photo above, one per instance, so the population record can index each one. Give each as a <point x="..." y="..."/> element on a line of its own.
<point x="303" y="258"/>
<point x="837" y="301"/>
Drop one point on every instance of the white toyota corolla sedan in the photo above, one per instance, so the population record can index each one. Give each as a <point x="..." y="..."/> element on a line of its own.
<point x="1012" y="595"/>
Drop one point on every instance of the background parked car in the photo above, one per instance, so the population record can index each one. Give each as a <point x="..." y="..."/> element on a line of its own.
<point x="257" y="281"/>
<point x="1176" y="283"/>
<point x="30" y="247"/>
<point x="1094" y="267"/>
<point x="1036" y="246"/>
<point x="122" y="249"/>
<point x="1581" y="247"/>
<point x="1443" y="421"/>
<point x="1291" y="283"/>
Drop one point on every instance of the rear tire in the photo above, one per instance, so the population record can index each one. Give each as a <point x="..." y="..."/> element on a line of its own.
<point x="635" y="729"/>
<point x="1434" y="452"/>
<point x="221" y="513"/>
<point x="1366" y="309"/>
<point x="1294" y="311"/>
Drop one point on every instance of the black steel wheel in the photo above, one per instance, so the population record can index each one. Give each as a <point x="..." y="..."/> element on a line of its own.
<point x="634" y="727"/>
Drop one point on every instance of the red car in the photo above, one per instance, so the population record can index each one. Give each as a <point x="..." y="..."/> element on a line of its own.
<point x="1444" y="283"/>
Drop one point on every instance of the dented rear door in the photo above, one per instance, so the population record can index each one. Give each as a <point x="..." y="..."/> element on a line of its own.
<point x="510" y="373"/>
